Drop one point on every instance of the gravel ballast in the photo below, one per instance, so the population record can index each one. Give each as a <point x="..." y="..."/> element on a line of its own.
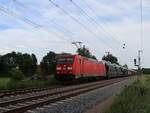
<point x="83" y="102"/>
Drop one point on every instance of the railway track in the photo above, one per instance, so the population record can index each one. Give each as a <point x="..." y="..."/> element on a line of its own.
<point x="24" y="102"/>
<point x="23" y="91"/>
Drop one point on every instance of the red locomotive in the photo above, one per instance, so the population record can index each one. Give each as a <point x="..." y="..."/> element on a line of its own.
<point x="71" y="67"/>
<point x="76" y="66"/>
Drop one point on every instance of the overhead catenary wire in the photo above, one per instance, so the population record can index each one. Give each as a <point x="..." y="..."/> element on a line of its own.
<point x="141" y="22"/>
<point x="57" y="25"/>
<point x="28" y="21"/>
<point x="96" y="24"/>
<point x="22" y="4"/>
<point x="109" y="33"/>
<point x="61" y="28"/>
<point x="53" y="22"/>
<point x="5" y="10"/>
<point x="141" y="34"/>
<point x="80" y="23"/>
<point x="36" y="25"/>
<point x="85" y="27"/>
<point x="103" y="22"/>
<point x="113" y="35"/>
<point x="90" y="31"/>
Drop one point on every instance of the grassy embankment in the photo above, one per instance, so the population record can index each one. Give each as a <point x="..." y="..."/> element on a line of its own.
<point x="134" y="98"/>
<point x="3" y="82"/>
<point x="9" y="84"/>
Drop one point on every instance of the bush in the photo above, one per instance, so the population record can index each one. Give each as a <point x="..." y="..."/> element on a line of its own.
<point x="28" y="83"/>
<point x="134" y="98"/>
<point x="16" y="74"/>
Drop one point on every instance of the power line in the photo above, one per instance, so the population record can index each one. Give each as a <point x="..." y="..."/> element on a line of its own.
<point x="57" y="26"/>
<point x="108" y="35"/>
<point x="110" y="32"/>
<point x="24" y="7"/>
<point x="76" y="20"/>
<point x="141" y="22"/>
<point x="103" y="22"/>
<point x="81" y="24"/>
<point x="63" y="29"/>
<point x="5" y="10"/>
<point x="141" y="9"/>
<point x="56" y="5"/>
<point x="27" y="21"/>
<point x="19" y="3"/>
<point x="97" y="25"/>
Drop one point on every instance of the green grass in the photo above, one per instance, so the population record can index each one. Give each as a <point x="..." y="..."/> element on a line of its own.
<point x="11" y="84"/>
<point x="3" y="83"/>
<point x="26" y="83"/>
<point x="134" y="98"/>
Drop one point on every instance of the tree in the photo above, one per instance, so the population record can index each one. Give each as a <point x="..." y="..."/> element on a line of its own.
<point x="125" y="66"/>
<point x="34" y="63"/>
<point x="7" y="62"/>
<point x="146" y="70"/>
<point x="24" y="62"/>
<point x="48" y="63"/>
<point x="2" y="65"/>
<point x="85" y="52"/>
<point x="110" y="58"/>
<point x="16" y="74"/>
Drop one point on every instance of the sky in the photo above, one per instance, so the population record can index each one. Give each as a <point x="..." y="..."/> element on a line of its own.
<point x="40" y="26"/>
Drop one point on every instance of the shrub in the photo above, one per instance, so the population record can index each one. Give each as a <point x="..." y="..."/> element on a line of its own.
<point x="16" y="74"/>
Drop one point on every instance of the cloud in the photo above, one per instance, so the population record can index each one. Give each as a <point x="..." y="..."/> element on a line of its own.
<point x="122" y="18"/>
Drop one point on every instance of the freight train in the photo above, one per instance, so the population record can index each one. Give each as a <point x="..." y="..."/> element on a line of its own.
<point x="71" y="67"/>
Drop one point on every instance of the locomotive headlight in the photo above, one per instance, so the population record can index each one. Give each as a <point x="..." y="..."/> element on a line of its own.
<point x="58" y="68"/>
<point x="69" y="68"/>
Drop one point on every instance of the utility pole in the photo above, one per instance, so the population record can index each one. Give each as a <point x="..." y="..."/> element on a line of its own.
<point x="139" y="61"/>
<point x="141" y="50"/>
<point x="139" y="58"/>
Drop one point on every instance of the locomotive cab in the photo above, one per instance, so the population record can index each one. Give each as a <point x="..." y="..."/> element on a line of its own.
<point x="64" y="67"/>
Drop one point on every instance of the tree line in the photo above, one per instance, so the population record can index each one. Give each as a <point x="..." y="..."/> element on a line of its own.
<point x="27" y="63"/>
<point x="146" y="70"/>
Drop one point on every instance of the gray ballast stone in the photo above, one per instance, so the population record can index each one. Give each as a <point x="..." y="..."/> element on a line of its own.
<point x="83" y="102"/>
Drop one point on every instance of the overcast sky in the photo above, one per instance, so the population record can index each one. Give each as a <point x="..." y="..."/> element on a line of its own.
<point x="37" y="26"/>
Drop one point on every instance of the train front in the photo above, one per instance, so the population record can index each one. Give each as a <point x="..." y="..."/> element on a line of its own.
<point x="64" y="68"/>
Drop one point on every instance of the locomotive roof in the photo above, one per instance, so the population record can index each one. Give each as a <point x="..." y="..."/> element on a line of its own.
<point x="60" y="56"/>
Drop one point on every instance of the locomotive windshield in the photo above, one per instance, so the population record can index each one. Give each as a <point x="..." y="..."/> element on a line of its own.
<point x="65" y="61"/>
